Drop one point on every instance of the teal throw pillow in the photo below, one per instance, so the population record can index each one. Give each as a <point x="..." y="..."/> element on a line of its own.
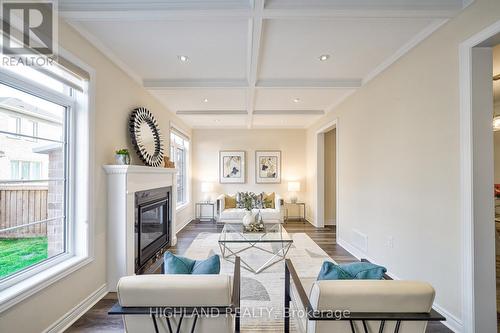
<point x="330" y="271"/>
<point x="181" y="265"/>
<point x="352" y="271"/>
<point x="364" y="270"/>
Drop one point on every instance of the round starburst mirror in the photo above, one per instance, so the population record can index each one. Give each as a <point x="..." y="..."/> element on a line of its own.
<point x="146" y="137"/>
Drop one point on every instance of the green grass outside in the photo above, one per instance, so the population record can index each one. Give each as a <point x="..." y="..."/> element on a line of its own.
<point x="18" y="253"/>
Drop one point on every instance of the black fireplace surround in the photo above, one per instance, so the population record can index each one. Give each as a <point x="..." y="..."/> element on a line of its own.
<point x="153" y="219"/>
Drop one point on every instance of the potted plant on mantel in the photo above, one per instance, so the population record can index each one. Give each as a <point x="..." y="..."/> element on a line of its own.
<point x="122" y="157"/>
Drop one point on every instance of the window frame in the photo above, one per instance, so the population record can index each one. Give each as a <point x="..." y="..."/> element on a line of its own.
<point x="79" y="185"/>
<point x="26" y="86"/>
<point x="185" y="171"/>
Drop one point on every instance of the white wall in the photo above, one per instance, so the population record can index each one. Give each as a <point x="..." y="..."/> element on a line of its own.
<point x="206" y="145"/>
<point x="116" y="95"/>
<point x="330" y="176"/>
<point x="399" y="171"/>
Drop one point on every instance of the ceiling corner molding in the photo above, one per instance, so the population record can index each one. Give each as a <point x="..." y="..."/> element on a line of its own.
<point x="309" y="83"/>
<point x="417" y="39"/>
<point x="333" y="106"/>
<point x="163" y="84"/>
<point x="99" y="45"/>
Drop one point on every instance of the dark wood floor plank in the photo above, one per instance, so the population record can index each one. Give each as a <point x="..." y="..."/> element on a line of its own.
<point x="97" y="320"/>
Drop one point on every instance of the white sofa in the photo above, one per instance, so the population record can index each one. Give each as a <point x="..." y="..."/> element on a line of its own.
<point x="235" y="215"/>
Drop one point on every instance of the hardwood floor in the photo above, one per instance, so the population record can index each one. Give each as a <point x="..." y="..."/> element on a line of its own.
<point x="97" y="320"/>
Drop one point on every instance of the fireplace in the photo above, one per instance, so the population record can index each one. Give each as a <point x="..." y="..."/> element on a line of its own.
<point x="153" y="217"/>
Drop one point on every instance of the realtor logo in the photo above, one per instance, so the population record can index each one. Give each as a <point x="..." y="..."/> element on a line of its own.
<point x="28" y="28"/>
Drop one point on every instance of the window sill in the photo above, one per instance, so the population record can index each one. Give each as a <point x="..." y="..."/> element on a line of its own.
<point x="22" y="290"/>
<point x="182" y="206"/>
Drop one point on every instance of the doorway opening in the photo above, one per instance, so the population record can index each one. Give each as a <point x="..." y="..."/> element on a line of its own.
<point x="330" y="191"/>
<point x="477" y="177"/>
<point x="326" y="210"/>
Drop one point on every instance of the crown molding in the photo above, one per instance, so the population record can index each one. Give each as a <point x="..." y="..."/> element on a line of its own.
<point x="98" y="44"/>
<point x="417" y="39"/>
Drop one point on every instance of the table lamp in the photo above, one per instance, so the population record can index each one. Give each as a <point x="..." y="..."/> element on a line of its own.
<point x="293" y="187"/>
<point x="207" y="188"/>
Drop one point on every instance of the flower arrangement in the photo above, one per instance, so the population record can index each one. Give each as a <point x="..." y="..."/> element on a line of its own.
<point x="247" y="200"/>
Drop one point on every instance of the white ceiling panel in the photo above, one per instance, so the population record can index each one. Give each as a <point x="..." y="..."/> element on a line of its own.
<point x="291" y="48"/>
<point x="216" y="49"/>
<point x="298" y="99"/>
<point x="202" y="99"/>
<point x="283" y="121"/>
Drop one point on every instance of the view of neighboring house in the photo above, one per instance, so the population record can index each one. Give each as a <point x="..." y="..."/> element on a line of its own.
<point x="29" y="157"/>
<point x="21" y="150"/>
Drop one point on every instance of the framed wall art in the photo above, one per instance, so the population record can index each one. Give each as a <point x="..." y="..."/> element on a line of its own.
<point x="268" y="166"/>
<point x="232" y="165"/>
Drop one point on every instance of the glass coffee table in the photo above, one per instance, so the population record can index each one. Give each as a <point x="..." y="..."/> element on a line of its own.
<point x="234" y="240"/>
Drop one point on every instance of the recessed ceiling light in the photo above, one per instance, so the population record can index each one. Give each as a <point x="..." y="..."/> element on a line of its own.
<point x="217" y="120"/>
<point x="324" y="57"/>
<point x="183" y="58"/>
<point x="205" y="100"/>
<point x="296" y="100"/>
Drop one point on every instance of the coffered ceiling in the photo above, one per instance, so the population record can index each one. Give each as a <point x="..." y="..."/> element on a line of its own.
<point x="255" y="63"/>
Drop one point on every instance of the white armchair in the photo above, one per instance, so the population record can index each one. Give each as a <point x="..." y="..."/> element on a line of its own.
<point x="179" y="303"/>
<point x="235" y="215"/>
<point x="372" y="305"/>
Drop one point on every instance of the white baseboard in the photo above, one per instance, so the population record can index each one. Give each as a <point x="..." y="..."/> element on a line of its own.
<point x="186" y="222"/>
<point x="452" y="322"/>
<point x="330" y="222"/>
<point x="351" y="249"/>
<point x="79" y="310"/>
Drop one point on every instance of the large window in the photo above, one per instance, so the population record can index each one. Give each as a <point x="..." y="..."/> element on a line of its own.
<point x="37" y="140"/>
<point x="179" y="153"/>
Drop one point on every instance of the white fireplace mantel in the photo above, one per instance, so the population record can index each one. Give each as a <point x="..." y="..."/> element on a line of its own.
<point x="123" y="181"/>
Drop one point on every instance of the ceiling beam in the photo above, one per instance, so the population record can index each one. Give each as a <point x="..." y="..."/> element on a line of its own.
<point x="290" y="112"/>
<point x="160" y="84"/>
<point x="255" y="38"/>
<point x="309" y="83"/>
<point x="181" y="10"/>
<point x="211" y="112"/>
<point x="166" y="84"/>
<point x="244" y="112"/>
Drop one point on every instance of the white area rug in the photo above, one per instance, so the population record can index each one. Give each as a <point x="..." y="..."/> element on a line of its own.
<point x="262" y="295"/>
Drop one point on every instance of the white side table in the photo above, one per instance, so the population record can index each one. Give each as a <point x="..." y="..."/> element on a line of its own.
<point x="302" y="212"/>
<point x="199" y="211"/>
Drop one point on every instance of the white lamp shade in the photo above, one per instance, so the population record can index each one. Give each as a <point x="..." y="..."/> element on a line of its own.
<point x="207" y="187"/>
<point x="496" y="123"/>
<point x="293" y="186"/>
